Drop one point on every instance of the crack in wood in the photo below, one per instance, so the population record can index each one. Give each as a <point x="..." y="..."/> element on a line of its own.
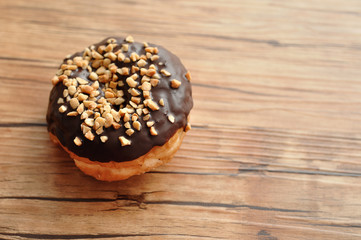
<point x="96" y="236"/>
<point x="276" y="43"/>
<point x="340" y="225"/>
<point x="195" y="173"/>
<point x="22" y="59"/>
<point x="264" y="235"/>
<point x="23" y="124"/>
<point x="224" y="205"/>
<point x="235" y="90"/>
<point x="323" y="173"/>
<point x="140" y="201"/>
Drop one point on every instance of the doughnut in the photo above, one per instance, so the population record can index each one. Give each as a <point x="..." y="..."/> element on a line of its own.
<point x="120" y="108"/>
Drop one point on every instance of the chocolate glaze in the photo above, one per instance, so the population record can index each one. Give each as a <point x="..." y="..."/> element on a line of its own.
<point x="177" y="102"/>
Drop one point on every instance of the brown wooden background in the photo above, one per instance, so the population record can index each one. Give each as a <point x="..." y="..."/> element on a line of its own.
<point x="275" y="148"/>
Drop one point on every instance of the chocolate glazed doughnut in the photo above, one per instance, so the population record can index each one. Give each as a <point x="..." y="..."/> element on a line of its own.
<point x="120" y="107"/>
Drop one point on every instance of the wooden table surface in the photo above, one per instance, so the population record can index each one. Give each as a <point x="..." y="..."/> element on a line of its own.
<point x="275" y="148"/>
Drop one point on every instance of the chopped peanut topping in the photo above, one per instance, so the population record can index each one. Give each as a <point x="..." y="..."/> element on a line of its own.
<point x="175" y="83"/>
<point x="96" y="101"/>
<point x="89" y="122"/>
<point x="55" y="80"/>
<point x="60" y="101"/>
<point x="86" y="89"/>
<point x="104" y="78"/>
<point x="134" y="92"/>
<point x="145" y="111"/>
<point x="129" y="132"/>
<point x="146" y="94"/>
<point x="109" y="94"/>
<point x="115" y="77"/>
<point x="82" y="97"/>
<point x="95" y="85"/>
<point x="101" y="49"/>
<point x="62" y="108"/>
<point x="153" y="131"/>
<point x="90" y="104"/>
<point x="74" y="103"/>
<point x="121" y="57"/>
<point x="156" y="76"/>
<point x="134" y="117"/>
<point x="137" y="125"/>
<point x="115" y="115"/>
<point x="124" y="141"/>
<point x="77" y="141"/>
<point x="135" y="69"/>
<point x="65" y="93"/>
<point x="103" y="138"/>
<point x="165" y="73"/>
<point x="99" y="122"/>
<point x="133" y="104"/>
<point x="129" y="39"/>
<point x="119" y="101"/>
<point x="188" y="76"/>
<point x="127" y="125"/>
<point x="111" y="40"/>
<point x="67" y="72"/>
<point x="171" y="118"/>
<point x="126" y="117"/>
<point x="80" y="108"/>
<point x="150" y="123"/>
<point x="151" y="72"/>
<point x="134" y="56"/>
<point x="146" y="86"/>
<point x="139" y="111"/>
<point x="62" y="77"/>
<point x="113" y="85"/>
<point x="143" y="71"/>
<point x="154" y="58"/>
<point x="116" y="125"/>
<point x="125" y="47"/>
<point x="85" y="128"/>
<point x="146" y="117"/>
<point x="108" y="120"/>
<point x="93" y="76"/>
<point x="125" y="71"/>
<point x="100" y="70"/>
<point x="81" y="81"/>
<point x="109" y="48"/>
<point x="84" y="115"/>
<point x="112" y="56"/>
<point x="148" y="55"/>
<point x="154" y="82"/>
<point x="72" y="67"/>
<point x="131" y="83"/>
<point x="96" y="63"/>
<point x="136" y="100"/>
<point x="97" y="55"/>
<point x="72" y="114"/>
<point x="188" y="127"/>
<point x="89" y="135"/>
<point x="99" y="131"/>
<point x="141" y="63"/>
<point x="152" y="105"/>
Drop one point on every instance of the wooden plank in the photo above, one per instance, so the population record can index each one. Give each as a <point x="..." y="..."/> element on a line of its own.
<point x="254" y="190"/>
<point x="274" y="149"/>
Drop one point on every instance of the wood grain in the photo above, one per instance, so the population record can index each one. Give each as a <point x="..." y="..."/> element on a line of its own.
<point x="274" y="152"/>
